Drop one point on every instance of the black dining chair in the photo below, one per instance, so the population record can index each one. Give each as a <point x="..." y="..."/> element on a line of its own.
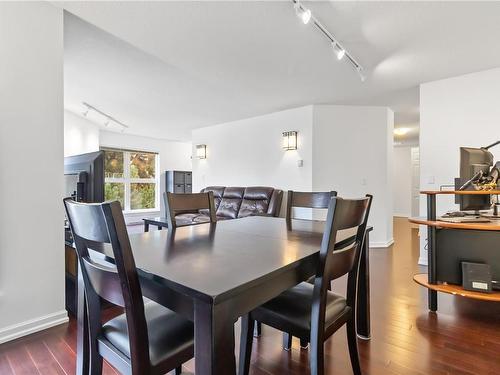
<point x="307" y="200"/>
<point x="312" y="312"/>
<point x="300" y="199"/>
<point x="190" y="203"/>
<point x="148" y="338"/>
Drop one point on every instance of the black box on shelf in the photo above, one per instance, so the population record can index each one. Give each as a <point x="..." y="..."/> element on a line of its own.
<point x="476" y="277"/>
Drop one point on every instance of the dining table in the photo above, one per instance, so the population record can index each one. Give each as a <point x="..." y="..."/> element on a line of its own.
<point x="214" y="273"/>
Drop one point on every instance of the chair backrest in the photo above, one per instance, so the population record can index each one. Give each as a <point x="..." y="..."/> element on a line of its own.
<point x="307" y="200"/>
<point x="176" y="203"/>
<point x="338" y="258"/>
<point x="93" y="226"/>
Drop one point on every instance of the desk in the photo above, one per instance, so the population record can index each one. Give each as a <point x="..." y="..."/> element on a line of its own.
<point x="214" y="273"/>
<point x="449" y="243"/>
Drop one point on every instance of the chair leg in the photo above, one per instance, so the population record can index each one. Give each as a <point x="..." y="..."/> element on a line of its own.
<point x="258" y="329"/>
<point x="178" y="370"/>
<point x="353" y="346"/>
<point x="95" y="358"/>
<point x="316" y="358"/>
<point x="287" y="341"/>
<point x="246" y="340"/>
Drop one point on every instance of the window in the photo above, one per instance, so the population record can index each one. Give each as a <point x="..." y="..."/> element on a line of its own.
<point x="131" y="178"/>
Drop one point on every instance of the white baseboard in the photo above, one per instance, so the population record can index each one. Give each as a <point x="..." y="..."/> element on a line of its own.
<point x="31" y="326"/>
<point x="422" y="261"/>
<point x="381" y="244"/>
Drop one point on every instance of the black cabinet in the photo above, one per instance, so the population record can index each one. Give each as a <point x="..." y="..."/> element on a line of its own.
<point x="179" y="181"/>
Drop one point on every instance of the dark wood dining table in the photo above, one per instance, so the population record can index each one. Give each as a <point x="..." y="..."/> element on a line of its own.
<point x="214" y="273"/>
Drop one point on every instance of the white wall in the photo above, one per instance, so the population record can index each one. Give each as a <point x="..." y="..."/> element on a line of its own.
<point x="455" y="112"/>
<point x="352" y="153"/>
<point x="31" y="161"/>
<point x="173" y="155"/>
<point x="248" y="152"/>
<point x="402" y="181"/>
<point x="80" y="135"/>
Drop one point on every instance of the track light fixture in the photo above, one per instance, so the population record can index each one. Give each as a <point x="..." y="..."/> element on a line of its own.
<point x="303" y="13"/>
<point x="339" y="51"/>
<point x="108" y="118"/>
<point x="306" y="16"/>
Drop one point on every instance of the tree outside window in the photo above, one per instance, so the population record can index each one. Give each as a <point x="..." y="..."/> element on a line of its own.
<point x="131" y="178"/>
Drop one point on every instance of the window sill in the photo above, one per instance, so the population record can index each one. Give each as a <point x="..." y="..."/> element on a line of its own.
<point x="142" y="211"/>
<point x="135" y="217"/>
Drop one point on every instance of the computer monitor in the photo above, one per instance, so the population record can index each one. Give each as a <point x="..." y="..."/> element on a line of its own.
<point x="84" y="176"/>
<point x="472" y="161"/>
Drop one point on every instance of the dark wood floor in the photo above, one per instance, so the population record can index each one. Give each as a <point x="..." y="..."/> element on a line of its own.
<point x="462" y="338"/>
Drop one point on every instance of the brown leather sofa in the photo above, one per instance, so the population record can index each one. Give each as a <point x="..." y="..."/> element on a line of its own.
<point x="237" y="202"/>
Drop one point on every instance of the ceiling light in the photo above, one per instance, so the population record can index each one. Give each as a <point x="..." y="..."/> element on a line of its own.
<point x="107" y="119"/>
<point x="401" y="131"/>
<point x="306" y="16"/>
<point x="303" y="13"/>
<point x="339" y="51"/>
<point x="342" y="54"/>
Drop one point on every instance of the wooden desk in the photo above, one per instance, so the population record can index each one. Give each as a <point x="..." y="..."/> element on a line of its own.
<point x="433" y="225"/>
<point x="214" y="273"/>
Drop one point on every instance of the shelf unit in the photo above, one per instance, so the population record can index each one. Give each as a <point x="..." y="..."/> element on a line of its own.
<point x="179" y="181"/>
<point x="434" y="228"/>
<point x="457" y="290"/>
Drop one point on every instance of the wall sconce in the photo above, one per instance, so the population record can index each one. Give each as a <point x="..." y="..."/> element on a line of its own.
<point x="290" y="140"/>
<point x="201" y="151"/>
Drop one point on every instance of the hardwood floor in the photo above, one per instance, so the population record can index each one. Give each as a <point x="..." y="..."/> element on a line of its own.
<point x="462" y="338"/>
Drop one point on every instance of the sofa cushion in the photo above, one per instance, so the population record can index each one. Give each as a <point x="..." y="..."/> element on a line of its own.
<point x="234" y="192"/>
<point x="231" y="202"/>
<point x="191" y="218"/>
<point x="218" y="192"/>
<point x="255" y="201"/>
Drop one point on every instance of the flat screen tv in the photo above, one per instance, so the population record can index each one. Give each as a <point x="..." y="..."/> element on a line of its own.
<point x="84" y="177"/>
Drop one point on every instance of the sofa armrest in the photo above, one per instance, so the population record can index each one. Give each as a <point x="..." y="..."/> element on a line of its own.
<point x="275" y="203"/>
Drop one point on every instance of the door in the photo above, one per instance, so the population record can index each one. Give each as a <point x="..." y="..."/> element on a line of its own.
<point x="415" y="181"/>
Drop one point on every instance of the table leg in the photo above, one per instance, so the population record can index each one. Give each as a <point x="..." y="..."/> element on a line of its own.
<point x="213" y="340"/>
<point x="363" y="295"/>
<point x="160" y="227"/>
<point x="431" y="251"/>
<point x="146" y="226"/>
<point x="82" y="337"/>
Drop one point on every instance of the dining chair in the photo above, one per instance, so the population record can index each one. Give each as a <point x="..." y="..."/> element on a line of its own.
<point x="300" y="199"/>
<point x="148" y="338"/>
<point x="312" y="312"/>
<point x="176" y="203"/>
<point x="307" y="200"/>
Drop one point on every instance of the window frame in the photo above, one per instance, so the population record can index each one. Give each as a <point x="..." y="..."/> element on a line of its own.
<point x="127" y="181"/>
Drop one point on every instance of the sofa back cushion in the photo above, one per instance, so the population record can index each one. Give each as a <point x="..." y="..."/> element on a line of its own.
<point x="255" y="201"/>
<point x="218" y="192"/>
<point x="231" y="201"/>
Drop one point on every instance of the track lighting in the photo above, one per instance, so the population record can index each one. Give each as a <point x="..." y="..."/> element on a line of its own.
<point x="362" y="76"/>
<point x="107" y="118"/>
<point x="306" y="16"/>
<point x="303" y="13"/>
<point x="339" y="51"/>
